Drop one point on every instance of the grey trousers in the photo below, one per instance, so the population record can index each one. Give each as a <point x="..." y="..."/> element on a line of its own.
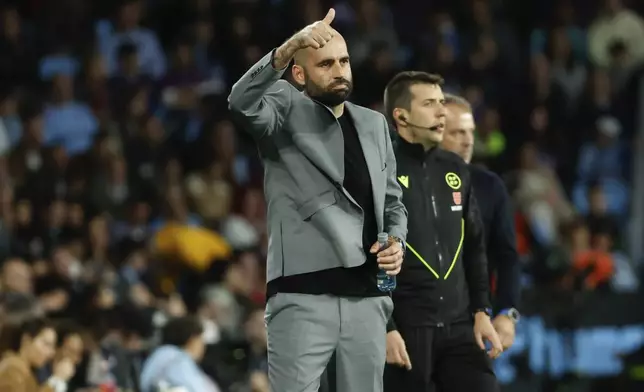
<point x="305" y="330"/>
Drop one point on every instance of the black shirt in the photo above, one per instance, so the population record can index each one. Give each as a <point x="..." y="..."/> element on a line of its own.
<point x="357" y="180"/>
<point x="344" y="282"/>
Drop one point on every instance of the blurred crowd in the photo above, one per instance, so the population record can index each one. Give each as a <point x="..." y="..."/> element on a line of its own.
<point x="132" y="218"/>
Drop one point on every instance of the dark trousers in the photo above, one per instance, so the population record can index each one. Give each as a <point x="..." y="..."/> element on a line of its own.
<point x="445" y="359"/>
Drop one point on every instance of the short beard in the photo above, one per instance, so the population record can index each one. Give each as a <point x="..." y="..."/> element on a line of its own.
<point x="328" y="96"/>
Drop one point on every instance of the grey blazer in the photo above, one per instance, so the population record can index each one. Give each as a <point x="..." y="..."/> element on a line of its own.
<point x="313" y="222"/>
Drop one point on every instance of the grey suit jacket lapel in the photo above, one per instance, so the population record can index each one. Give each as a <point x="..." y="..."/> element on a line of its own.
<point x="324" y="145"/>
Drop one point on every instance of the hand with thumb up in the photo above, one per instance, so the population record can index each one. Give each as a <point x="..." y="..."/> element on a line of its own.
<point x="314" y="36"/>
<point x="317" y="34"/>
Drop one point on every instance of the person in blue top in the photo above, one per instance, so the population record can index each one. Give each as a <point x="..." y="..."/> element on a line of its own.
<point x="173" y="366"/>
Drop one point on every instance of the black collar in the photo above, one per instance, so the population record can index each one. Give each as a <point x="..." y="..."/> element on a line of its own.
<point x="414" y="150"/>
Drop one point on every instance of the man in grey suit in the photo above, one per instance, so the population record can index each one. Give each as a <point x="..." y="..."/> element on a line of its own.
<point x="331" y="188"/>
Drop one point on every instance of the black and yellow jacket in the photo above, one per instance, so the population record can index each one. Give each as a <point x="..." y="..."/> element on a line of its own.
<point x="444" y="278"/>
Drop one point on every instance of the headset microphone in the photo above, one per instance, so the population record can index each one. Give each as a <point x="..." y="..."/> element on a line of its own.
<point x="433" y="129"/>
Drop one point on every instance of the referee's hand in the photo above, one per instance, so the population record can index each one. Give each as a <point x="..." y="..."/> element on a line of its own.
<point x="484" y="330"/>
<point x="397" y="350"/>
<point x="389" y="259"/>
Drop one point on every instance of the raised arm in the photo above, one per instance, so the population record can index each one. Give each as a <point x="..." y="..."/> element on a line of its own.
<point x="256" y="100"/>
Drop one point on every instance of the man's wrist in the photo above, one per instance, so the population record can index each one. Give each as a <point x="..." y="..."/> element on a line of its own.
<point x="483" y="311"/>
<point x="511" y="313"/>
<point x="283" y="55"/>
<point x="399" y="240"/>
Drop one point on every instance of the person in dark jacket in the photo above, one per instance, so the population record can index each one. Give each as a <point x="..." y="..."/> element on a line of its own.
<point x="442" y="303"/>
<point x="496" y="213"/>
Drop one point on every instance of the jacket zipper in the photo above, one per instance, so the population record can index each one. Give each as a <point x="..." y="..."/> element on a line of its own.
<point x="434" y="211"/>
<point x="438" y="248"/>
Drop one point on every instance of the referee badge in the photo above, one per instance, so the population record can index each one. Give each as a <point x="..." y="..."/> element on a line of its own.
<point x="453" y="181"/>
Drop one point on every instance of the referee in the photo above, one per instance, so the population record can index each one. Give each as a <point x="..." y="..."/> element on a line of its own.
<point x="442" y="303"/>
<point x="496" y="213"/>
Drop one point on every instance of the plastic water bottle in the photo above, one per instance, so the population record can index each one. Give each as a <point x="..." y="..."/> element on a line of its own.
<point x="385" y="282"/>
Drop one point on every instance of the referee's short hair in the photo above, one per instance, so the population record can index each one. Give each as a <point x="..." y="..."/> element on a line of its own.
<point x="452" y="99"/>
<point x="398" y="91"/>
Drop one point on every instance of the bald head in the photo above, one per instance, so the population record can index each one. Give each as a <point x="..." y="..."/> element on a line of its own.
<point x="336" y="47"/>
<point x="325" y="73"/>
<point x="300" y="56"/>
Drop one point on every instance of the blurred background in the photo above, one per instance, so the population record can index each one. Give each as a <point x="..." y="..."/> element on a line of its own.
<point x="128" y="197"/>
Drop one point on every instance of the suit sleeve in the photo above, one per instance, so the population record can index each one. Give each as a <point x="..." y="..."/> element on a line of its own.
<point x="502" y="249"/>
<point x="474" y="259"/>
<point x="257" y="101"/>
<point x="395" y="219"/>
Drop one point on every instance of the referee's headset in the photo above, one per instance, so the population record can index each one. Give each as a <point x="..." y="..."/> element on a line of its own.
<point x="404" y="119"/>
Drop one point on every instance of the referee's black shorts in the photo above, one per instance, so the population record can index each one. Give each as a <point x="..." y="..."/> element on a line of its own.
<point x="445" y="359"/>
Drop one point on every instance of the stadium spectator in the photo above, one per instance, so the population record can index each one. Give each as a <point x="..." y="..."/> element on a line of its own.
<point x="32" y="346"/>
<point x="175" y="363"/>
